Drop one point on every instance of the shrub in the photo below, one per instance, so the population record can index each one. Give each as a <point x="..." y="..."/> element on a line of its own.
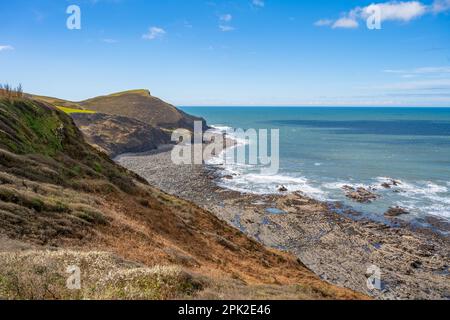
<point x="42" y="275"/>
<point x="10" y="92"/>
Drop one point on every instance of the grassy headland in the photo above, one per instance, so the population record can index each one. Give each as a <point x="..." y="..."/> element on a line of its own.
<point x="74" y="111"/>
<point x="66" y="203"/>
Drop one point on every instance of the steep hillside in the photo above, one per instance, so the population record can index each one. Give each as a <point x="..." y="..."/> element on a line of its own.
<point x="136" y="104"/>
<point x="142" y="106"/>
<point x="65" y="203"/>
<point x="130" y="121"/>
<point x="57" y="102"/>
<point x="116" y="135"/>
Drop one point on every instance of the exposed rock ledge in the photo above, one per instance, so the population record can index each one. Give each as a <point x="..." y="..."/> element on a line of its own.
<point x="361" y="195"/>
<point x="116" y="135"/>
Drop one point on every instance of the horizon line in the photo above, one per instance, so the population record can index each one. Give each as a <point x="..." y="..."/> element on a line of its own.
<point x="310" y="106"/>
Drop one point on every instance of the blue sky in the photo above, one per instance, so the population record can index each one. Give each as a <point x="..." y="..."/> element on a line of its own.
<point x="242" y="52"/>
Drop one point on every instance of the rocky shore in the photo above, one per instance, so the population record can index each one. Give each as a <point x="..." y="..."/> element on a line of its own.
<point x="336" y="243"/>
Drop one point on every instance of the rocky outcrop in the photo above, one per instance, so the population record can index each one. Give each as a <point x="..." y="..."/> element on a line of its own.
<point x="390" y="184"/>
<point x="395" y="212"/>
<point x="116" y="135"/>
<point x="361" y="195"/>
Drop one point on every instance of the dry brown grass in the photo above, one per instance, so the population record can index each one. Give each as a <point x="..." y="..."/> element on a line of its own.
<point x="10" y="92"/>
<point x="43" y="275"/>
<point x="65" y="194"/>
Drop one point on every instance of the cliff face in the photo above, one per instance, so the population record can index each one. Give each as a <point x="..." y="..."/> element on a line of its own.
<point x="58" y="192"/>
<point x="116" y="135"/>
<point x="125" y="122"/>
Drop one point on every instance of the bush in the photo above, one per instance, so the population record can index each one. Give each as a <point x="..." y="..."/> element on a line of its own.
<point x="10" y="92"/>
<point x="42" y="275"/>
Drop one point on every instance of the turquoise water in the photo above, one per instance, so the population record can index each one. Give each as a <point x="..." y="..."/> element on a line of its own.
<point x="323" y="149"/>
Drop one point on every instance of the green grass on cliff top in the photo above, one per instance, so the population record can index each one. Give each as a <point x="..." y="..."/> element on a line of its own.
<point x="72" y="111"/>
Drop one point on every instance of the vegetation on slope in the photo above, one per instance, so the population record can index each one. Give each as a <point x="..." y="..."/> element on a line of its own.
<point x="9" y="92"/>
<point x="43" y="275"/>
<point x="125" y="122"/>
<point x="75" y="111"/>
<point x="117" y="135"/>
<point x="57" y="102"/>
<point x="57" y="192"/>
<point x="135" y="104"/>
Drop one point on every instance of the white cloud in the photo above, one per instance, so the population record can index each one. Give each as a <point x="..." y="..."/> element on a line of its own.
<point x="323" y="23"/>
<point x="226" y="17"/>
<point x="258" y="3"/>
<point x="408" y="76"/>
<point x="6" y="48"/>
<point x="403" y="11"/>
<point x="439" y="6"/>
<point x="154" y="33"/>
<point x="223" y="24"/>
<point x="396" y="11"/>
<point x="432" y="85"/>
<point x="226" y="28"/>
<point x="346" y="22"/>
<point x="423" y="70"/>
<point x="110" y="41"/>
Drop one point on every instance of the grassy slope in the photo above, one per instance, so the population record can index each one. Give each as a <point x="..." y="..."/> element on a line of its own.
<point x="142" y="106"/>
<point x="56" y="191"/>
<point x="135" y="104"/>
<point x="73" y="111"/>
<point x="57" y="102"/>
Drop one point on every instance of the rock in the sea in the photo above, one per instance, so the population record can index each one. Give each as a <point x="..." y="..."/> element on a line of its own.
<point x="360" y="195"/>
<point x="282" y="189"/>
<point x="390" y="184"/>
<point x="228" y="177"/>
<point x="395" y="212"/>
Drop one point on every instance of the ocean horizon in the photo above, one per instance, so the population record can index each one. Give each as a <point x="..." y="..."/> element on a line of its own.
<point x="323" y="149"/>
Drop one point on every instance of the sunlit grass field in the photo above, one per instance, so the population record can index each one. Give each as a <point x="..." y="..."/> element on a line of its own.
<point x="71" y="111"/>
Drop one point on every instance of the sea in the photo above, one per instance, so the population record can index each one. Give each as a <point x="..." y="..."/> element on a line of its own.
<point x="323" y="149"/>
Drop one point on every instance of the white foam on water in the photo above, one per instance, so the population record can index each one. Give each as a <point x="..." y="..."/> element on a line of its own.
<point x="382" y="180"/>
<point x="438" y="210"/>
<point x="230" y="133"/>
<point x="340" y="185"/>
<point x="269" y="184"/>
<point x="247" y="179"/>
<point x="334" y="185"/>
<point x="425" y="189"/>
<point x="424" y="197"/>
<point x="420" y="197"/>
<point x="227" y="155"/>
<point x="221" y="128"/>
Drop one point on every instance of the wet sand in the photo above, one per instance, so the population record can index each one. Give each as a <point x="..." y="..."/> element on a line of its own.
<point x="338" y="246"/>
